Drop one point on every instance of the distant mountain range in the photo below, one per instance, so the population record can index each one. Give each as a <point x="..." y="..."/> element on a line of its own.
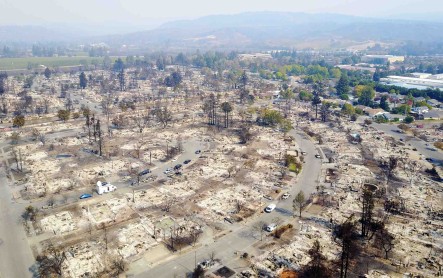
<point x="255" y="30"/>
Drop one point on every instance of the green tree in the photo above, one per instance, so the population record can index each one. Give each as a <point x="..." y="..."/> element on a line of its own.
<point x="298" y="202"/>
<point x="285" y="126"/>
<point x="342" y="86"/>
<point x="18" y="121"/>
<point x="408" y="119"/>
<point x="315" y="102"/>
<point x="305" y="96"/>
<point x="344" y="97"/>
<point x="376" y="76"/>
<point x="271" y="117"/>
<point x="335" y="73"/>
<point x="367" y="96"/>
<point x="348" y="109"/>
<point x="402" y="109"/>
<point x="63" y="115"/>
<point x="83" y="80"/>
<point x="358" y="90"/>
<point x="384" y="104"/>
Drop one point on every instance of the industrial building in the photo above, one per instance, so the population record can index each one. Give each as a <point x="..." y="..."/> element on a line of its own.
<point x="382" y="59"/>
<point x="423" y="82"/>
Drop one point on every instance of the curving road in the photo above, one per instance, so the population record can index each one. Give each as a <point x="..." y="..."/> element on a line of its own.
<point x="240" y="239"/>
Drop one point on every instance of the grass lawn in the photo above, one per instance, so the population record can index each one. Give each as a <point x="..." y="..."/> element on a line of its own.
<point x="22" y="63"/>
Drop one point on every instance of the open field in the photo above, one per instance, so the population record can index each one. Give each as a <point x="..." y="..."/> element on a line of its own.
<point x="22" y="63"/>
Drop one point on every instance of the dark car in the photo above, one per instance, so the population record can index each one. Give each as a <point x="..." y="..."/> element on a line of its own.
<point x="178" y="166"/>
<point x="144" y="172"/>
<point x="187" y="161"/>
<point x="229" y="220"/>
<point x="429" y="159"/>
<point x="85" y="196"/>
<point x="198" y="151"/>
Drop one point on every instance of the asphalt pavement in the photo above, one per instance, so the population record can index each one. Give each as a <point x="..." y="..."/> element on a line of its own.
<point x="15" y="254"/>
<point x="242" y="238"/>
<point x="424" y="148"/>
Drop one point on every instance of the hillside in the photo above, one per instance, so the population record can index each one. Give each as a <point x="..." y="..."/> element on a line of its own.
<point x="270" y="29"/>
<point x="258" y="30"/>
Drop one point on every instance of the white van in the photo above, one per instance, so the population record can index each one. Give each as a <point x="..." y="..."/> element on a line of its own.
<point x="270" y="208"/>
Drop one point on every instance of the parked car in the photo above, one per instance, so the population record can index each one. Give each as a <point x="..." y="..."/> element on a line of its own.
<point x="186" y="161"/>
<point x="198" y="151"/>
<point x="303" y="153"/>
<point x="229" y="220"/>
<point x="317" y="156"/>
<point x="267" y="197"/>
<point x="285" y="196"/>
<point x="178" y="166"/>
<point x="85" y="196"/>
<point x="270" y="208"/>
<point x="271" y="227"/>
<point x="167" y="171"/>
<point x="205" y="264"/>
<point x="144" y="172"/>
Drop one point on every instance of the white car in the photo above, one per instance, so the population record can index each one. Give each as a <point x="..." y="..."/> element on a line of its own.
<point x="167" y="171"/>
<point x="271" y="227"/>
<point x="270" y="208"/>
<point x="285" y="196"/>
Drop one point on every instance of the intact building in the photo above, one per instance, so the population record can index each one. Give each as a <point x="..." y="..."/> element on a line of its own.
<point x="382" y="59"/>
<point x="423" y="82"/>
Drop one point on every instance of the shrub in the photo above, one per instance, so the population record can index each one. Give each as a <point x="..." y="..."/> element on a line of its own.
<point x="408" y="119"/>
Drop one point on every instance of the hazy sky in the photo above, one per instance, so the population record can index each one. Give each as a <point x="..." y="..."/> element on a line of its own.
<point x="145" y="12"/>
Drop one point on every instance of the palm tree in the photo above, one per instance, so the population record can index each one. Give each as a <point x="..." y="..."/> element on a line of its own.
<point x="227" y="108"/>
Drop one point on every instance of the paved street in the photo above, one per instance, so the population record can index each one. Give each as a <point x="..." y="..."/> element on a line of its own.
<point x="15" y="254"/>
<point x="422" y="147"/>
<point x="242" y="237"/>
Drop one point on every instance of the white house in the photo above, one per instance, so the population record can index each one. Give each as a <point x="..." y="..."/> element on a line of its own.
<point x="420" y="110"/>
<point x="105" y="187"/>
